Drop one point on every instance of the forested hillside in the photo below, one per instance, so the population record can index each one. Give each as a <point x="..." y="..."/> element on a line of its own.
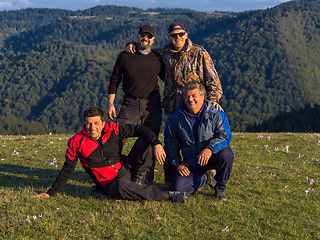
<point x="268" y="61"/>
<point x="56" y="63"/>
<point x="305" y="119"/>
<point x="54" y="68"/>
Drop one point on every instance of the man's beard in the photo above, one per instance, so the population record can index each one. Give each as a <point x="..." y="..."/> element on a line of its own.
<point x="144" y="47"/>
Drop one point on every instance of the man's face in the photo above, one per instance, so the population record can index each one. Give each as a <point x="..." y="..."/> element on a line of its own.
<point x="94" y="126"/>
<point x="145" y="41"/>
<point x="193" y="100"/>
<point x="178" y="38"/>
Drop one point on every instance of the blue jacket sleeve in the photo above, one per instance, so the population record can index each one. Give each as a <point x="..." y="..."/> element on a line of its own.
<point x="222" y="133"/>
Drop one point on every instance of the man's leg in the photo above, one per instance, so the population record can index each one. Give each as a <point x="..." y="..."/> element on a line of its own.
<point x="222" y="162"/>
<point x="168" y="169"/>
<point x="191" y="183"/>
<point x="129" y="113"/>
<point x="168" y="175"/>
<point x="143" y="161"/>
<point x="123" y="187"/>
<point x="151" y="116"/>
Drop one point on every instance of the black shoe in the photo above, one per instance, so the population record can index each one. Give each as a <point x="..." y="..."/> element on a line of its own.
<point x="220" y="194"/>
<point x="176" y="196"/>
<point x="94" y="188"/>
<point x="140" y="178"/>
<point x="166" y="187"/>
<point x="210" y="178"/>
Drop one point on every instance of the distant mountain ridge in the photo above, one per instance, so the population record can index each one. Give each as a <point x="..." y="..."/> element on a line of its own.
<point x="56" y="63"/>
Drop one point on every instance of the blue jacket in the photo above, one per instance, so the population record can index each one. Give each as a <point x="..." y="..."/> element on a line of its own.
<point x="213" y="132"/>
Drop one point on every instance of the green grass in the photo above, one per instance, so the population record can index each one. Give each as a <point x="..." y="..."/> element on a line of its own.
<point x="260" y="205"/>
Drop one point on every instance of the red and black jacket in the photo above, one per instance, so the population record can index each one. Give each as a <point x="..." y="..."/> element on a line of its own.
<point x="102" y="159"/>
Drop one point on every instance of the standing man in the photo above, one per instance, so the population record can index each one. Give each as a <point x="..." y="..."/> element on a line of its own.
<point x="141" y="100"/>
<point x="184" y="62"/>
<point x="203" y="135"/>
<point x="97" y="147"/>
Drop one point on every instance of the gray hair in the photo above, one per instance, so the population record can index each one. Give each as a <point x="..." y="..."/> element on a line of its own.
<point x="194" y="85"/>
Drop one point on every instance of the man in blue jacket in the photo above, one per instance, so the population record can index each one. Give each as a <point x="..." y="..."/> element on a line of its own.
<point x="203" y="135"/>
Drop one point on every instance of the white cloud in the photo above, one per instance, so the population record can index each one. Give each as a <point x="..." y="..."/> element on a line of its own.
<point x="16" y="4"/>
<point x="6" y="4"/>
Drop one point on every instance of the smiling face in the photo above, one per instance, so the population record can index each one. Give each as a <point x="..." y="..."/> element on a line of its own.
<point x="193" y="100"/>
<point x="94" y="126"/>
<point x="145" y="41"/>
<point x="178" y="38"/>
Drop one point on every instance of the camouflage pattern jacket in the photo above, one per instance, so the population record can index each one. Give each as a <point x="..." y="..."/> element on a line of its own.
<point x="181" y="67"/>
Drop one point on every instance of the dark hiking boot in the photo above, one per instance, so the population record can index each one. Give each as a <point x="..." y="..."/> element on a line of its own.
<point x="220" y="194"/>
<point x="140" y="178"/>
<point x="176" y="196"/>
<point x="210" y="178"/>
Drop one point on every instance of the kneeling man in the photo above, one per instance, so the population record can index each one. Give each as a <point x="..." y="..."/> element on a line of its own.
<point x="203" y="135"/>
<point x="98" y="148"/>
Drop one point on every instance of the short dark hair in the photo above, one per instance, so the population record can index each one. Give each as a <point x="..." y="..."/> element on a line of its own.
<point x="194" y="85"/>
<point x="93" y="112"/>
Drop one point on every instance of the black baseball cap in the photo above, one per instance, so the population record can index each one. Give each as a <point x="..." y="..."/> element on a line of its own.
<point x="176" y="26"/>
<point x="146" y="28"/>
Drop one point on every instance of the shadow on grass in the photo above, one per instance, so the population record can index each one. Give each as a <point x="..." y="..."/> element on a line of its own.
<point x="17" y="177"/>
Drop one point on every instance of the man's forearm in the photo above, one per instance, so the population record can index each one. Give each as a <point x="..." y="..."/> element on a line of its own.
<point x="111" y="99"/>
<point x="65" y="173"/>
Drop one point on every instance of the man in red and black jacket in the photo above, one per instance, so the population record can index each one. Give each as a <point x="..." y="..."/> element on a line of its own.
<point x="97" y="147"/>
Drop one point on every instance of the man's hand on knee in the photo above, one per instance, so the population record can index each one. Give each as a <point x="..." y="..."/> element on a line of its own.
<point x="183" y="169"/>
<point x="204" y="156"/>
<point x="159" y="153"/>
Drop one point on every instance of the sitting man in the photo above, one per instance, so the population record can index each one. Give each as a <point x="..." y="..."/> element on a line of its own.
<point x="97" y="146"/>
<point x="203" y="135"/>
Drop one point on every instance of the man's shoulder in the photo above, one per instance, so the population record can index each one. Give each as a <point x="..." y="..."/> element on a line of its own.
<point x="198" y="48"/>
<point x="76" y="139"/>
<point x="176" y="115"/>
<point x="211" y="111"/>
<point x="124" y="54"/>
<point x="163" y="48"/>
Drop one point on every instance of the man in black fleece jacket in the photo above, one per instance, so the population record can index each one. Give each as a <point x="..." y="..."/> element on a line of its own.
<point x="141" y="101"/>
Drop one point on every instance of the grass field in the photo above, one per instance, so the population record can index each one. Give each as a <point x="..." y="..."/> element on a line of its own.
<point x="274" y="193"/>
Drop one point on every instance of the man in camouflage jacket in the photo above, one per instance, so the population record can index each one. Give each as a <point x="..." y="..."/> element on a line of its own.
<point x="185" y="62"/>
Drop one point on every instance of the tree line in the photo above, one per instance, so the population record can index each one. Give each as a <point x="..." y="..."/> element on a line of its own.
<point x="53" y="68"/>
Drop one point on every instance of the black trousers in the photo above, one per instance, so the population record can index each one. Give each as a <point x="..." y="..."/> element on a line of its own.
<point x="122" y="186"/>
<point x="149" y="111"/>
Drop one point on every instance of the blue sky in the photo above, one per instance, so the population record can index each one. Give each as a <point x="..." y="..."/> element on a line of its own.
<point x="198" y="5"/>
